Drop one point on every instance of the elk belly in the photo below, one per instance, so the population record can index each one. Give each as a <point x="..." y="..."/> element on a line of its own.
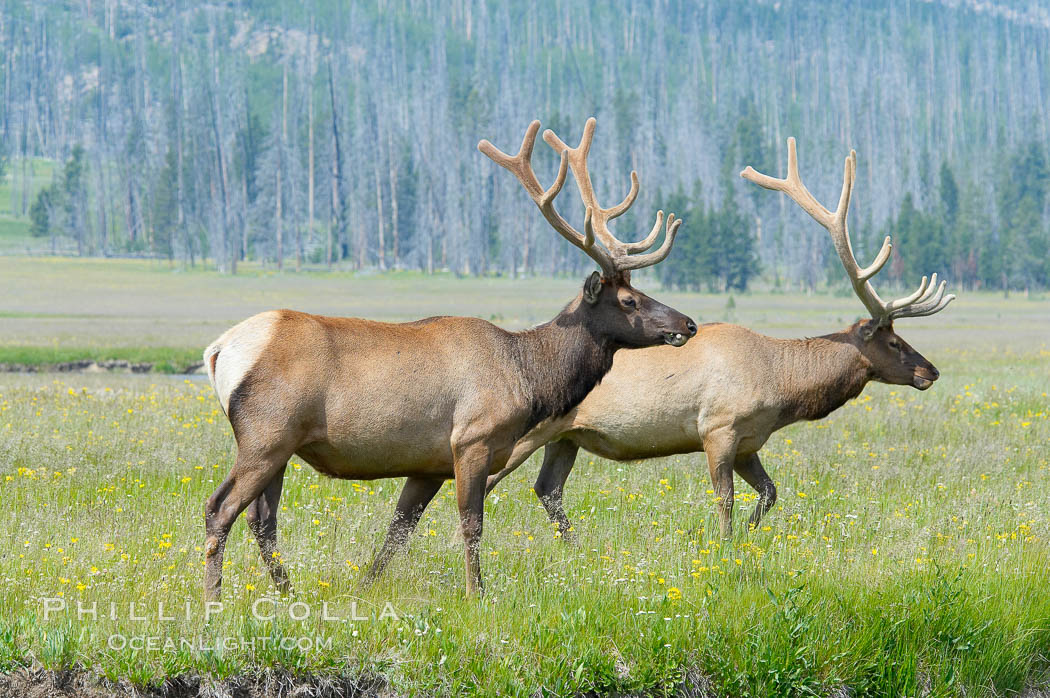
<point x="369" y="463"/>
<point x="640" y="440"/>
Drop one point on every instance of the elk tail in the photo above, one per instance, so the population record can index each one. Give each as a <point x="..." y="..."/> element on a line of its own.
<point x="211" y="355"/>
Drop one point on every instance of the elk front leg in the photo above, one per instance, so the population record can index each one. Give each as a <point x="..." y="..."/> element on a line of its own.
<point x="472" y="468"/>
<point x="249" y="476"/>
<point x="416" y="495"/>
<point x="558" y="459"/>
<point x="262" y="520"/>
<point x="750" y="468"/>
<point x="720" y="447"/>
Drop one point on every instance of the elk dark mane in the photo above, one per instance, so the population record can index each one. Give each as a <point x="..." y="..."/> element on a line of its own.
<point x="820" y="375"/>
<point x="561" y="361"/>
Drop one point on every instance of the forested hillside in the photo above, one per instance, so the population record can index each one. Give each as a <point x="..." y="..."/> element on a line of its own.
<point x="345" y="133"/>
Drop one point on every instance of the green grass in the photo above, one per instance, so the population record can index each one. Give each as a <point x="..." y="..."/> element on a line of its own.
<point x="908" y="553"/>
<point x="162" y="359"/>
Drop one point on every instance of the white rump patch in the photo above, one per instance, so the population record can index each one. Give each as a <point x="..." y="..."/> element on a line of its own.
<point x="231" y="356"/>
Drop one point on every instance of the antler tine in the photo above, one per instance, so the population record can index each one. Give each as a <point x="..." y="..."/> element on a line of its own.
<point x="909" y="300"/>
<point x="880" y="260"/>
<point x="930" y="310"/>
<point x="792" y="186"/>
<point x="628" y="201"/>
<point x="600" y="217"/>
<point x="647" y="260"/>
<point x="514" y="163"/>
<point x="933" y="301"/>
<point x="577" y="158"/>
<point x="849" y="177"/>
<point x="643" y="245"/>
<point x="521" y="166"/>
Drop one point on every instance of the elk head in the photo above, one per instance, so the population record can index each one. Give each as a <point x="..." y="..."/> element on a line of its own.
<point x="628" y="317"/>
<point x="891" y="359"/>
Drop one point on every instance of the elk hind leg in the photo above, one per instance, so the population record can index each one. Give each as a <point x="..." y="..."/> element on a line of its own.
<point x="415" y="496"/>
<point x="558" y="460"/>
<point x="249" y="476"/>
<point x="262" y="520"/>
<point x="750" y="468"/>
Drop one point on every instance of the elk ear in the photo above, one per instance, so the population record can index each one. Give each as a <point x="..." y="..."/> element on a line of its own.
<point x="868" y="329"/>
<point x="592" y="288"/>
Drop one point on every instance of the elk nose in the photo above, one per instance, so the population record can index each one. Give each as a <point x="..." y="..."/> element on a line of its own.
<point x="935" y="372"/>
<point x="691" y="327"/>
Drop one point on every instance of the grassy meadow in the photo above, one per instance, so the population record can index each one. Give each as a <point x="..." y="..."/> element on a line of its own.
<point x="908" y="554"/>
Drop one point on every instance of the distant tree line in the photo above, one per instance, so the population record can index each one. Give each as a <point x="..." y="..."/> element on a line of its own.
<point x="330" y="133"/>
<point x="956" y="233"/>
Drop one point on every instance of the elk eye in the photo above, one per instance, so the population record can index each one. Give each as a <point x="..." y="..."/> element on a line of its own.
<point x="629" y="302"/>
<point x="894" y="344"/>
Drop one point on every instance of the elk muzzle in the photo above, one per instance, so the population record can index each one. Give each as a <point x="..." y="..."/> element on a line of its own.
<point x="681" y="336"/>
<point x="924" y="377"/>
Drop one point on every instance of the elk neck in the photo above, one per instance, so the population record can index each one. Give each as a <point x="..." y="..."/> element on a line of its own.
<point x="562" y="360"/>
<point x="820" y="374"/>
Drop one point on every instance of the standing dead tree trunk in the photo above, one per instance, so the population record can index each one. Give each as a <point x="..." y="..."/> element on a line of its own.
<point x="335" y="201"/>
<point x="310" y="71"/>
<point x="379" y="218"/>
<point x="228" y="257"/>
<point x="380" y="212"/>
<point x="280" y="169"/>
<point x="339" y="218"/>
<point x="224" y="256"/>
<point x="392" y="167"/>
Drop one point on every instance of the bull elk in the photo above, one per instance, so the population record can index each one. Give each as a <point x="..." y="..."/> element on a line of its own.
<point x="729" y="389"/>
<point x="440" y="398"/>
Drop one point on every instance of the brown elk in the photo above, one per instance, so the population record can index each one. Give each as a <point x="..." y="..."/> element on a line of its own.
<point x="730" y="388"/>
<point x="441" y="398"/>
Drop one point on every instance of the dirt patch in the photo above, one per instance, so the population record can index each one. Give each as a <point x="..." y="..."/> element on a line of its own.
<point x="80" y="683"/>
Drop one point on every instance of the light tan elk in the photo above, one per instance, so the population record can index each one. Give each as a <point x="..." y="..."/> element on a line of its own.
<point x="730" y="388"/>
<point x="441" y="398"/>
